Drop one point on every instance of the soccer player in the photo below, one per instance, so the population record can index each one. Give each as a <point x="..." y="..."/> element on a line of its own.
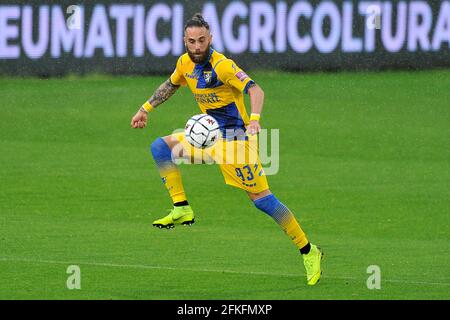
<point x="218" y="85"/>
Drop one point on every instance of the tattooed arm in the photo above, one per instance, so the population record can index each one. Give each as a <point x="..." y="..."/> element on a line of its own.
<point x="164" y="92"/>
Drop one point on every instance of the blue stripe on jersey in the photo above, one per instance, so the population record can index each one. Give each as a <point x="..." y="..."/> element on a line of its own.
<point x="206" y="76"/>
<point x="229" y="119"/>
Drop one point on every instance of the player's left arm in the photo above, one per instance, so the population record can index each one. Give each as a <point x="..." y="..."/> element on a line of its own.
<point x="256" y="102"/>
<point x="229" y="73"/>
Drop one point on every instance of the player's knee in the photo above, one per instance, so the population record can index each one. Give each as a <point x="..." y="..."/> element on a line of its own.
<point x="254" y="196"/>
<point x="267" y="204"/>
<point x="160" y="150"/>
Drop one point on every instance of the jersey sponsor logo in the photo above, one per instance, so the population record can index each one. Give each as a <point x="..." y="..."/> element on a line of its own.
<point x="191" y="76"/>
<point x="206" y="98"/>
<point x="241" y="75"/>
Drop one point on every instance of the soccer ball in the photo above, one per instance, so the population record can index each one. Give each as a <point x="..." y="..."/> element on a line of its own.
<point x="202" y="131"/>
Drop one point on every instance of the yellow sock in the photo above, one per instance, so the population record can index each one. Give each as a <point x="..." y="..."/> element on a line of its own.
<point x="168" y="170"/>
<point x="292" y="228"/>
<point x="171" y="178"/>
<point x="284" y="217"/>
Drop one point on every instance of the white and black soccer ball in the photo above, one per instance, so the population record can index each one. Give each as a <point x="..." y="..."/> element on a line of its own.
<point x="202" y="130"/>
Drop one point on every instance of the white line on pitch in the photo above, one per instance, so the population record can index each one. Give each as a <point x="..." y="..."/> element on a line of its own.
<point x="141" y="266"/>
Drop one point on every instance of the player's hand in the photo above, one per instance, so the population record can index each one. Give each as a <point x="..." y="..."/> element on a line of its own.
<point x="139" y="120"/>
<point x="253" y="128"/>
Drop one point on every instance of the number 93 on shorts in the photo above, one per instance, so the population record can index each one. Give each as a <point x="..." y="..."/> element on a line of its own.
<point x="244" y="170"/>
<point x="238" y="160"/>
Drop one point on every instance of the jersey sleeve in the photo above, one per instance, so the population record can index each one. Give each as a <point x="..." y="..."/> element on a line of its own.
<point x="229" y="73"/>
<point x="177" y="77"/>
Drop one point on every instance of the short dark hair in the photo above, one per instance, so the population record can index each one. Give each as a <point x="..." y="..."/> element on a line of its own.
<point x="196" y="21"/>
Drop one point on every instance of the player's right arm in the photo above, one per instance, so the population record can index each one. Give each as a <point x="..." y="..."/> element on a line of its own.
<point x="164" y="92"/>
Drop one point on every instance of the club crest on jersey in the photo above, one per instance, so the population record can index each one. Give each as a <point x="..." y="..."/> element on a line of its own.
<point x="208" y="76"/>
<point x="241" y="75"/>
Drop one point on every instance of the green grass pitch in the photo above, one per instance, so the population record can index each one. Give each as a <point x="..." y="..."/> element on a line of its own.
<point x="364" y="165"/>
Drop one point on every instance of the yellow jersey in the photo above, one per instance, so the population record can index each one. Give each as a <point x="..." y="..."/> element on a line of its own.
<point x="218" y="86"/>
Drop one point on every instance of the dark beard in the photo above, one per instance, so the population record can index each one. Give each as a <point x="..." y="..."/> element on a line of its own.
<point x="199" y="60"/>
